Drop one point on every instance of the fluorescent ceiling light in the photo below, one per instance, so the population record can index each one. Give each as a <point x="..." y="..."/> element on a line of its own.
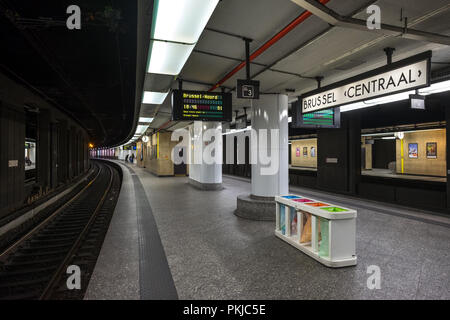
<point x="377" y="101"/>
<point x="168" y="58"/>
<point x="179" y="23"/>
<point x="145" y="120"/>
<point x="141" y="129"/>
<point x="182" y="20"/>
<point x="151" y="97"/>
<point x="388" y="138"/>
<point x="436" y="88"/>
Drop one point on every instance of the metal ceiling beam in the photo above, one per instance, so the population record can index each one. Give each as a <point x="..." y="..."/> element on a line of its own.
<point x="333" y="18"/>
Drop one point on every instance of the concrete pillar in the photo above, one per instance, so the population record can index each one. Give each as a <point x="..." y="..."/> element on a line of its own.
<point x="270" y="112"/>
<point x="43" y="147"/>
<point x="54" y="155"/>
<point x="204" y="173"/>
<point x="63" y="154"/>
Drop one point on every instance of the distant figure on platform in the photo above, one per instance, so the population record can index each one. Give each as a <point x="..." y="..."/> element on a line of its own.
<point x="126" y="158"/>
<point x="132" y="158"/>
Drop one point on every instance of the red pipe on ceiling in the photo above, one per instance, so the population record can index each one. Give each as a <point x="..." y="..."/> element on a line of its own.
<point x="301" y="18"/>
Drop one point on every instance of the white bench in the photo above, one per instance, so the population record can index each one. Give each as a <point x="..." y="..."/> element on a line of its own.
<point x="322" y="230"/>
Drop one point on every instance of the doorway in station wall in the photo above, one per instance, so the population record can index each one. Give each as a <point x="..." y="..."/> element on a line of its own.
<point x="383" y="154"/>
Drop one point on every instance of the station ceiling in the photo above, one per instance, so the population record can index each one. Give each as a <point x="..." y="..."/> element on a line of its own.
<point x="97" y="74"/>
<point x="89" y="73"/>
<point x="314" y="48"/>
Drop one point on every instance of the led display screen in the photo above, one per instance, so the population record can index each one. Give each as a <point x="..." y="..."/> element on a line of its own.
<point x="330" y="118"/>
<point x="201" y="106"/>
<point x="319" y="118"/>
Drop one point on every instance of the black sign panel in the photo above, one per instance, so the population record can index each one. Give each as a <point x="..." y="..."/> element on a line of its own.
<point x="330" y="118"/>
<point x="417" y="101"/>
<point x="201" y="106"/>
<point x="401" y="76"/>
<point x="247" y="89"/>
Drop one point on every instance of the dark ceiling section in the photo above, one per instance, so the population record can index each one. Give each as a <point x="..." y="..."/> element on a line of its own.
<point x="90" y="73"/>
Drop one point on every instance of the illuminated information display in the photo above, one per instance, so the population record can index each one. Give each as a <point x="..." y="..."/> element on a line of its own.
<point x="201" y="106"/>
<point x="319" y="118"/>
<point x="330" y="118"/>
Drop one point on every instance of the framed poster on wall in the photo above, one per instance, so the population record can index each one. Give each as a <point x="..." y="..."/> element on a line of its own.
<point x="305" y="151"/>
<point x="297" y="152"/>
<point x="413" y="152"/>
<point x="431" y="150"/>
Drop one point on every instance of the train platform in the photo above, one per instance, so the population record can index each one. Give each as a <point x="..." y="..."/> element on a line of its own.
<point x="168" y="240"/>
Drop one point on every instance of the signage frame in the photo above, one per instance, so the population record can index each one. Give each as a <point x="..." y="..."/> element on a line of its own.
<point x="298" y="122"/>
<point x="413" y="104"/>
<point x="241" y="83"/>
<point x="372" y="73"/>
<point x="177" y="98"/>
<point x="241" y="121"/>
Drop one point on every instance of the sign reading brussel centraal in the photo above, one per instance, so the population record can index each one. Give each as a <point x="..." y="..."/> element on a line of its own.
<point x="405" y="75"/>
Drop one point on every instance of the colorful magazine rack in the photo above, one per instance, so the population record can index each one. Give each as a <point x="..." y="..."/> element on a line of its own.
<point x="323" y="231"/>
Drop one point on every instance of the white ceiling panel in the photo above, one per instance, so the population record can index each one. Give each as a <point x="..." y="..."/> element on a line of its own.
<point x="241" y="74"/>
<point x="255" y="19"/>
<point x="273" y="80"/>
<point x="337" y="54"/>
<point x="308" y="29"/>
<point x="413" y="9"/>
<point x="205" y="68"/>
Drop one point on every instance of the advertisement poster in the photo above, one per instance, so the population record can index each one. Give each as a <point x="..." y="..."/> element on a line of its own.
<point x="313" y="152"/>
<point x="413" y="151"/>
<point x="297" y="153"/>
<point x="305" y="151"/>
<point x="431" y="150"/>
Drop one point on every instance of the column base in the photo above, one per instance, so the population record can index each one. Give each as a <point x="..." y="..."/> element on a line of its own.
<point x="205" y="186"/>
<point x="256" y="208"/>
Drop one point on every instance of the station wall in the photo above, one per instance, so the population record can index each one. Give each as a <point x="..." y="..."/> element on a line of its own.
<point x="304" y="153"/>
<point x="61" y="148"/>
<point x="236" y="154"/>
<point x="423" y="164"/>
<point x="158" y="154"/>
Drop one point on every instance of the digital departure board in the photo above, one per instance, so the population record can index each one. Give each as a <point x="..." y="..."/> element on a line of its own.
<point x="201" y="106"/>
<point x="320" y="118"/>
<point x="330" y="118"/>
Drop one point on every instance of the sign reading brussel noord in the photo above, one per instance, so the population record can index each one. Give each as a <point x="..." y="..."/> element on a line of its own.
<point x="409" y="74"/>
<point x="201" y="106"/>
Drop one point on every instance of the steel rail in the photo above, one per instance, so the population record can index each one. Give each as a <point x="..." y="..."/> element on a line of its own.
<point x="54" y="280"/>
<point x="19" y="242"/>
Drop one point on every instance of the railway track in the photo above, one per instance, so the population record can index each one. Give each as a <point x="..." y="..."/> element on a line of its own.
<point x="35" y="266"/>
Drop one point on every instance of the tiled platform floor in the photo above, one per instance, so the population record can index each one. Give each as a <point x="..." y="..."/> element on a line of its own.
<point x="213" y="254"/>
